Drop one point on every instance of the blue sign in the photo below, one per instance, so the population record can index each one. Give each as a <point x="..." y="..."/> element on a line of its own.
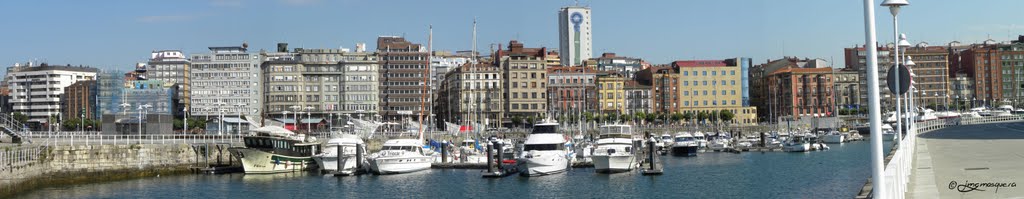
<point x="576" y="18"/>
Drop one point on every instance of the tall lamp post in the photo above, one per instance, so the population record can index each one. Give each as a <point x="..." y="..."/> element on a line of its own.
<point x="220" y="117"/>
<point x="295" y="114"/>
<point x="894" y="9"/>
<point x="309" y="115"/>
<point x="142" y="108"/>
<point x="874" y="108"/>
<point x="238" y="126"/>
<point x="911" y="105"/>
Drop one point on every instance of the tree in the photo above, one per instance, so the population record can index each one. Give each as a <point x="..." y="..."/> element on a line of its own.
<point x="588" y="116"/>
<point x="676" y="117"/>
<point x="612" y="117"/>
<point x="688" y="116"/>
<point x="651" y="117"/>
<point x="517" y="121"/>
<point x="76" y="124"/>
<point x="628" y="117"/>
<point x="531" y="119"/>
<point x="20" y="117"/>
<point x="702" y="116"/>
<point x="726" y="115"/>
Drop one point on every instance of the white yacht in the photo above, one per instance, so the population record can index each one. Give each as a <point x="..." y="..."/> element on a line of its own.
<point x="273" y="149"/>
<point x="544" y="151"/>
<point x="927" y="115"/>
<point x="888" y="133"/>
<point x="702" y="141"/>
<point x="329" y="159"/>
<point x="721" y="141"/>
<point x="797" y="143"/>
<point x="685" y="145"/>
<point x="833" y="137"/>
<point x="400" y="156"/>
<point x="614" y="152"/>
<point x="666" y="141"/>
<point x="947" y="114"/>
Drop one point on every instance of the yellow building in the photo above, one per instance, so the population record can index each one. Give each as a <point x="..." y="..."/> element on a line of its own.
<point x="713" y="85"/>
<point x="611" y="93"/>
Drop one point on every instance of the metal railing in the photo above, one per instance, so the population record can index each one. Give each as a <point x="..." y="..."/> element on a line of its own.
<point x="97" y="138"/>
<point x="13" y="127"/>
<point x="899" y="167"/>
<point x="17" y="157"/>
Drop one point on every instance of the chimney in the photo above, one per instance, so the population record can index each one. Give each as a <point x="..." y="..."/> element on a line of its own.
<point x="282" y="47"/>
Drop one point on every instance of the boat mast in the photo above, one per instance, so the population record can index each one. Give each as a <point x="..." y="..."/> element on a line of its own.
<point x="426" y="80"/>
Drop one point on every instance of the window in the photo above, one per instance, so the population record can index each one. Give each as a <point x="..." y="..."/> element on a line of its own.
<point x="705" y="73"/>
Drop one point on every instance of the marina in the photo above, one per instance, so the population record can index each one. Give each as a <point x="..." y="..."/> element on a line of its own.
<point x="833" y="174"/>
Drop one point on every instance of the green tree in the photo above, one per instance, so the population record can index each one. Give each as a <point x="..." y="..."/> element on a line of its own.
<point x="640" y="116"/>
<point x="702" y="116"/>
<point x="588" y="116"/>
<point x="20" y="117"/>
<point x="531" y="119"/>
<point x="688" y="116"/>
<point x="651" y="117"/>
<point x="726" y="115"/>
<point x="612" y="117"/>
<point x="676" y="117"/>
<point x="517" y="121"/>
<point x="628" y="117"/>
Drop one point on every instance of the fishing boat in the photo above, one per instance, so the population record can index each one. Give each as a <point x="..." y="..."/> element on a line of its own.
<point x="349" y="145"/>
<point x="614" y="152"/>
<point x="273" y="149"/>
<point x="544" y="151"/>
<point x="833" y="137"/>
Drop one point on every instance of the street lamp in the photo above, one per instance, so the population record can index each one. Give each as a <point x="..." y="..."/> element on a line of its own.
<point x="309" y="115"/>
<point x="911" y="105"/>
<point x="295" y="115"/>
<point x="220" y="111"/>
<point x="142" y="108"/>
<point x="241" y="107"/>
<point x="894" y="9"/>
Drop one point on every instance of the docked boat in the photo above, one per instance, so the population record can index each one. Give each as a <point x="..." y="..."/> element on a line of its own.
<point x="665" y="141"/>
<point x="614" y="152"/>
<point x="400" y="156"/>
<point x="927" y="115"/>
<point x="721" y="141"/>
<point x="702" y="141"/>
<point x="833" y="137"/>
<point x="685" y="145"/>
<point x="273" y="149"/>
<point x="329" y="159"/>
<point x="797" y="143"/>
<point x="947" y="114"/>
<point x="544" y="151"/>
<point x="888" y="133"/>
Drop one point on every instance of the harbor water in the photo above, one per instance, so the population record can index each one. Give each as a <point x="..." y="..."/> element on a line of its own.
<point x="836" y="173"/>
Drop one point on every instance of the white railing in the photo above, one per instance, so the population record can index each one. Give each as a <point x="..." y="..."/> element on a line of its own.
<point x="15" y="157"/>
<point x="899" y="167"/>
<point x="97" y="138"/>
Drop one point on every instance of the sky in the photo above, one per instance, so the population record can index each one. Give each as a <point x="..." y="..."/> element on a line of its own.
<point x="116" y="34"/>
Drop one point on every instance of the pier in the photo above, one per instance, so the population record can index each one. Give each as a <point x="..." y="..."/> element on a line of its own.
<point x="979" y="150"/>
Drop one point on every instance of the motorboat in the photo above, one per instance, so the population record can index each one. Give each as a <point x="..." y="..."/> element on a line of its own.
<point x="544" y="151"/>
<point x="702" y="141"/>
<point x="274" y="149"/>
<point x="797" y="143"/>
<point x="666" y="141"/>
<point x="927" y="115"/>
<point x="888" y="133"/>
<point x="685" y="145"/>
<point x="833" y="137"/>
<point x="614" y="152"/>
<point x="721" y="141"/>
<point x="947" y="114"/>
<point x="972" y="114"/>
<point x="340" y="154"/>
<point x="398" y="156"/>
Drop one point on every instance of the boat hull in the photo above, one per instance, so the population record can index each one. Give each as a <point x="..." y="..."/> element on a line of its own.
<point x="684" y="151"/>
<point x="833" y="139"/>
<point x="398" y="165"/>
<point x="260" y="162"/>
<point x="330" y="163"/>
<point x="797" y="148"/>
<point x="614" y="163"/>
<point x="541" y="166"/>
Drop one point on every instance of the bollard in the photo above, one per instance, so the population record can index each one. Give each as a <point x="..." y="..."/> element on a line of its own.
<point x="501" y="155"/>
<point x="764" y="142"/>
<point x="490" y="159"/>
<point x="220" y="152"/>
<point x="650" y="153"/>
<point x="359" y="156"/>
<point x="341" y="151"/>
<point x="444" y="152"/>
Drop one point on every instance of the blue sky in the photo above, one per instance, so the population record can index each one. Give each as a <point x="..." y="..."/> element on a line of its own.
<point x="118" y="33"/>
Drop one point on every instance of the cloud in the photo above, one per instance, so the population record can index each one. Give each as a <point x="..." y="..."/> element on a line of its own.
<point x="226" y="3"/>
<point x="299" y="2"/>
<point x="166" y="18"/>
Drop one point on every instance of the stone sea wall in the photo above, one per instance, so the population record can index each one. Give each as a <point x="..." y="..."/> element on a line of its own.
<point x="27" y="168"/>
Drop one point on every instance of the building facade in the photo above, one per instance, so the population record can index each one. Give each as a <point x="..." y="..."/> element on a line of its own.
<point x="638" y="98"/>
<point x="574" y="36"/>
<point x="36" y="90"/>
<point x="171" y="68"/>
<point x="611" y="93"/>
<point x="847" y="90"/>
<point x="79" y="100"/>
<point x="856" y="60"/>
<point x="665" y="91"/>
<point x="609" y="62"/>
<point x="226" y="78"/>
<point x="713" y="85"/>
<point x="404" y="79"/>
<point x="931" y="75"/>
<point x="571" y="91"/>
<point x="475" y="96"/>
<point x="525" y="85"/>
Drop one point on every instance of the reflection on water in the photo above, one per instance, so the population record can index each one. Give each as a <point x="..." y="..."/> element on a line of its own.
<point x="837" y="173"/>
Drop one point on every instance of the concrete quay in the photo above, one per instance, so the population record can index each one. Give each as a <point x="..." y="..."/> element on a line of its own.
<point x="969" y="161"/>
